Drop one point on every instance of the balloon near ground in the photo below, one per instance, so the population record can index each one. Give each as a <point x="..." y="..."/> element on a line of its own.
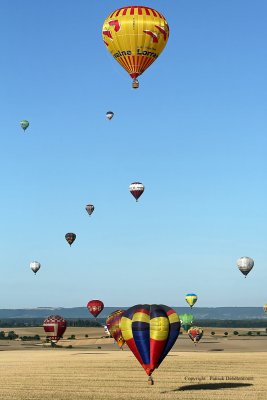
<point x="70" y="237"/>
<point x="265" y="308"/>
<point x="24" y="124"/>
<point x="135" y="36"/>
<point x="35" y="266"/>
<point x="95" y="307"/>
<point x="136" y="189"/>
<point x="113" y="325"/>
<point x="54" y="327"/>
<point x="150" y="331"/>
<point x="191" y="299"/>
<point x="186" y="321"/>
<point x="109" y="115"/>
<point x="195" y="333"/>
<point x="90" y="208"/>
<point x="245" y="265"/>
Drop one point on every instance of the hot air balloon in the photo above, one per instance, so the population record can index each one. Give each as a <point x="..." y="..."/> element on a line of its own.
<point x="95" y="307"/>
<point x="150" y="331"/>
<point x="35" y="266"/>
<point x="24" y="124"/>
<point x="109" y="115"/>
<point x="137" y="189"/>
<point x="186" y="321"/>
<point x="265" y="308"/>
<point x="135" y="36"/>
<point x="90" y="208"/>
<point x="54" y="327"/>
<point x="245" y="265"/>
<point x="113" y="325"/>
<point x="191" y="299"/>
<point x="195" y="333"/>
<point x="70" y="237"/>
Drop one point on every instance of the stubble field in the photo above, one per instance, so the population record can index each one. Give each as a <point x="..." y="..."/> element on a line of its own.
<point x="218" y="368"/>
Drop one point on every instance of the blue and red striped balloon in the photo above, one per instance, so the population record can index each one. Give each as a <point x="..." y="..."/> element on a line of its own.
<point x="150" y="331"/>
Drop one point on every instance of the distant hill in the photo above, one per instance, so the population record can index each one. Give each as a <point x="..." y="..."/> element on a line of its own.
<point x="218" y="313"/>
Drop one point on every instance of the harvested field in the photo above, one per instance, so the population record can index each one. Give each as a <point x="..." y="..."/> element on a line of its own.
<point x="65" y="374"/>
<point x="218" y="368"/>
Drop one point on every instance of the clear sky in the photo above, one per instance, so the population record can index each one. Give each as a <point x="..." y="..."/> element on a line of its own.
<point x="194" y="133"/>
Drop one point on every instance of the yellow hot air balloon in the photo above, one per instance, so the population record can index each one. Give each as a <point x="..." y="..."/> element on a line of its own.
<point x="135" y="36"/>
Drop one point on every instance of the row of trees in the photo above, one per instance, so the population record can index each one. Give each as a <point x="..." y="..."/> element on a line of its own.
<point x="11" y="335"/>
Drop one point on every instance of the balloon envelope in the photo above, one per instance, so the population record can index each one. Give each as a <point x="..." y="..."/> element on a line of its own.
<point x="191" y="299"/>
<point x="136" y="189"/>
<point x="265" y="308"/>
<point x="54" y="327"/>
<point x="95" y="307"/>
<point x="195" y="333"/>
<point x="150" y="331"/>
<point x="109" y="115"/>
<point x="70" y="237"/>
<point x="245" y="264"/>
<point x="35" y="266"/>
<point x="186" y="321"/>
<point x="135" y="36"/>
<point x="90" y="208"/>
<point x="24" y="124"/>
<point x="113" y="324"/>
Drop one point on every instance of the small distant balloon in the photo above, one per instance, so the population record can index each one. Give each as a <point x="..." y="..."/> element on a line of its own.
<point x="70" y="237"/>
<point x="95" y="307"/>
<point x="186" y="321"/>
<point x="136" y="189"/>
<point x="195" y="333"/>
<point x="245" y="265"/>
<point x="265" y="308"/>
<point x="109" y="115"/>
<point x="191" y="299"/>
<point x="90" y="208"/>
<point x="24" y="124"/>
<point x="35" y="266"/>
<point x="54" y="327"/>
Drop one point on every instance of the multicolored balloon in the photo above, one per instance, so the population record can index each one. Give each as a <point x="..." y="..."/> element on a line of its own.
<point x="150" y="331"/>
<point x="54" y="327"/>
<point x="186" y="321"/>
<point x="265" y="308"/>
<point x="136" y="189"/>
<point x="195" y="333"/>
<point x="113" y="325"/>
<point x="35" y="266"/>
<point x="70" y="237"/>
<point x="135" y="36"/>
<point x="245" y="265"/>
<point x="24" y="124"/>
<point x="95" y="307"/>
<point x="109" y="115"/>
<point x="90" y="208"/>
<point x="191" y="299"/>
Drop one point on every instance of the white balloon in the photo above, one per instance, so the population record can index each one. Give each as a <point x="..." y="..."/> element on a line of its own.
<point x="35" y="266"/>
<point x="245" y="264"/>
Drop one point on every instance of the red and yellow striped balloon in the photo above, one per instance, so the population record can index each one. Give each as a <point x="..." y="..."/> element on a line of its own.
<point x="135" y="36"/>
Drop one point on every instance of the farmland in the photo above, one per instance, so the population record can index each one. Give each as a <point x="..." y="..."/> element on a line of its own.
<point x="94" y="368"/>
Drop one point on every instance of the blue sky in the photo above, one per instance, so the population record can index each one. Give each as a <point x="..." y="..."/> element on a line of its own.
<point x="194" y="134"/>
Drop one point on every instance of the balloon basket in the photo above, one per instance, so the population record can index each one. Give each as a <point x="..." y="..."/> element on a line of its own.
<point x="150" y="381"/>
<point x="135" y="84"/>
